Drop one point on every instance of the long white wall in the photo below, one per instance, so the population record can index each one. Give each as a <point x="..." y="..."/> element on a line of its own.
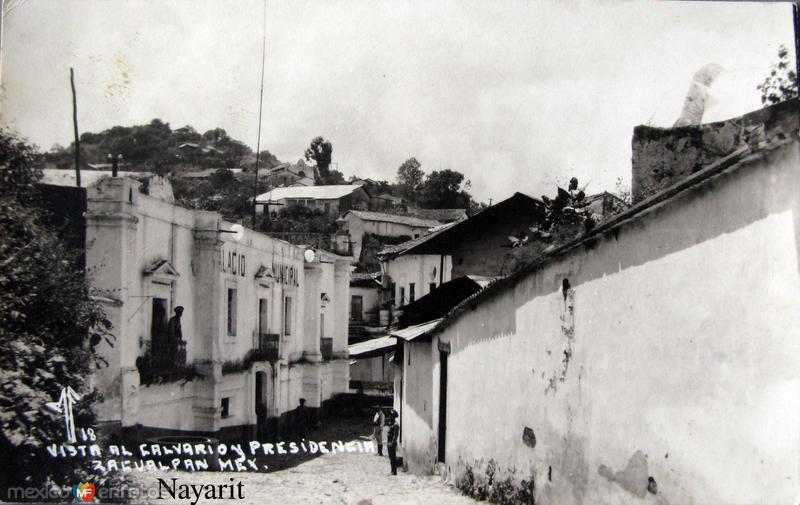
<point x="672" y="355"/>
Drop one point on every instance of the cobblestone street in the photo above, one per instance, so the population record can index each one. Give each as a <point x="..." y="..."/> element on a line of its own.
<point x="358" y="478"/>
<point x="342" y="478"/>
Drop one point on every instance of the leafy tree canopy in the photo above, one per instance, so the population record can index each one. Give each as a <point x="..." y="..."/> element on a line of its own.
<point x="443" y="189"/>
<point x="781" y="83"/>
<point x="49" y="326"/>
<point x="320" y="151"/>
<point x="298" y="219"/>
<point x="410" y="176"/>
<point x="155" y="146"/>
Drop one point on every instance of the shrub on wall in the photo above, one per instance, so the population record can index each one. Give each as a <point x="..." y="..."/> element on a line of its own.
<point x="486" y="484"/>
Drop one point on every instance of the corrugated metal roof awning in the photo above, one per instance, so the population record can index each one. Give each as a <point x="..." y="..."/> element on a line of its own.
<point x="372" y="348"/>
<point x="412" y="332"/>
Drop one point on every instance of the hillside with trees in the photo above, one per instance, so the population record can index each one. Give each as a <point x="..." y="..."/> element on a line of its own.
<point x="158" y="148"/>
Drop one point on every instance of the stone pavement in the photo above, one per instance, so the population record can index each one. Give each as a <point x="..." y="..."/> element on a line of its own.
<point x="342" y="478"/>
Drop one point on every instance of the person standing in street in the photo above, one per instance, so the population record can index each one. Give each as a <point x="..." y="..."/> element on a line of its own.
<point x="392" y="438"/>
<point x="379" y="428"/>
<point x="301" y="419"/>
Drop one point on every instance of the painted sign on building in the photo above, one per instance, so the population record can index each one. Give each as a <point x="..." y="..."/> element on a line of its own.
<point x="233" y="263"/>
<point x="285" y="274"/>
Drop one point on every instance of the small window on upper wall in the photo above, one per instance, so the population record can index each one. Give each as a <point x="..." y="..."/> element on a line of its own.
<point x="411" y="292"/>
<point x="226" y="407"/>
<point x="287" y="315"/>
<point x="231" y="312"/>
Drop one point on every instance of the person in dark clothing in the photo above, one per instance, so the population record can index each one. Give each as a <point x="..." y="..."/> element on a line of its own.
<point x="301" y="419"/>
<point x="392" y="439"/>
<point x="174" y="331"/>
<point x="174" y="336"/>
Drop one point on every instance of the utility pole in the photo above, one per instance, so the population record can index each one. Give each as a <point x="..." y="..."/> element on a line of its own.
<point x="260" y="107"/>
<point x="75" y="128"/>
<point x="796" y="16"/>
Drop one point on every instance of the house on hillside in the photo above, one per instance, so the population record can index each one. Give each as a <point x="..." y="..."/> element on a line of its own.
<point x="359" y="222"/>
<point x="653" y="357"/>
<point x="207" y="173"/>
<point x="287" y="174"/>
<point x="384" y="201"/>
<point x="333" y="200"/>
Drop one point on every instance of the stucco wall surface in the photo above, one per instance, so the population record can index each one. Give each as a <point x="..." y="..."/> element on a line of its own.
<point x="419" y="269"/>
<point x="672" y="354"/>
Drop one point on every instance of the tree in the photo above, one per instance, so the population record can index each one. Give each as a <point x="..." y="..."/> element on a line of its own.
<point x="299" y="219"/>
<point x="222" y="178"/>
<point x="49" y="327"/>
<point x="443" y="189"/>
<point x="409" y="176"/>
<point x="216" y="135"/>
<point x="333" y="177"/>
<point x="320" y="151"/>
<point x="781" y="83"/>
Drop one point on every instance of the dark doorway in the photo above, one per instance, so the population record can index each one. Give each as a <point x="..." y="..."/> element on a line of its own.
<point x="442" y="404"/>
<point x="261" y="405"/>
<point x="356" y="307"/>
<point x="158" y="323"/>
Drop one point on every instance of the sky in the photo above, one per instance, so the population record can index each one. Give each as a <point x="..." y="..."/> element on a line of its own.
<point x="517" y="95"/>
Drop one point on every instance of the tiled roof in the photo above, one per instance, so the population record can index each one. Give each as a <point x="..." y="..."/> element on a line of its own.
<point x="485" y="218"/>
<point x="365" y="275"/>
<point x="395" y="250"/>
<point x="309" y="192"/>
<point x="365" y="280"/>
<point x="443" y="215"/>
<point x="393" y="218"/>
<point x="207" y="173"/>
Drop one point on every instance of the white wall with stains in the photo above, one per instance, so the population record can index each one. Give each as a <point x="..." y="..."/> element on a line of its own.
<point x="673" y="354"/>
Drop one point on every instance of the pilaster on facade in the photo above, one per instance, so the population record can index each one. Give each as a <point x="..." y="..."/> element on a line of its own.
<point x="341" y="307"/>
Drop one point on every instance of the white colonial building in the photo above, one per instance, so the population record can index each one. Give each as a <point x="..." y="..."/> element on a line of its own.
<point x="264" y="323"/>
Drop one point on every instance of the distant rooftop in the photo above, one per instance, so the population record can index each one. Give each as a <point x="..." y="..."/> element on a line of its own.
<point x="441" y="239"/>
<point x="200" y="174"/>
<point x="442" y="215"/>
<point x="308" y="192"/>
<point x="365" y="279"/>
<point x="392" y="218"/>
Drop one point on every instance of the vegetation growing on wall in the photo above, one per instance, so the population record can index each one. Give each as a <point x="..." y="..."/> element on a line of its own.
<point x="487" y="484"/>
<point x="50" y="325"/>
<point x="781" y="83"/>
